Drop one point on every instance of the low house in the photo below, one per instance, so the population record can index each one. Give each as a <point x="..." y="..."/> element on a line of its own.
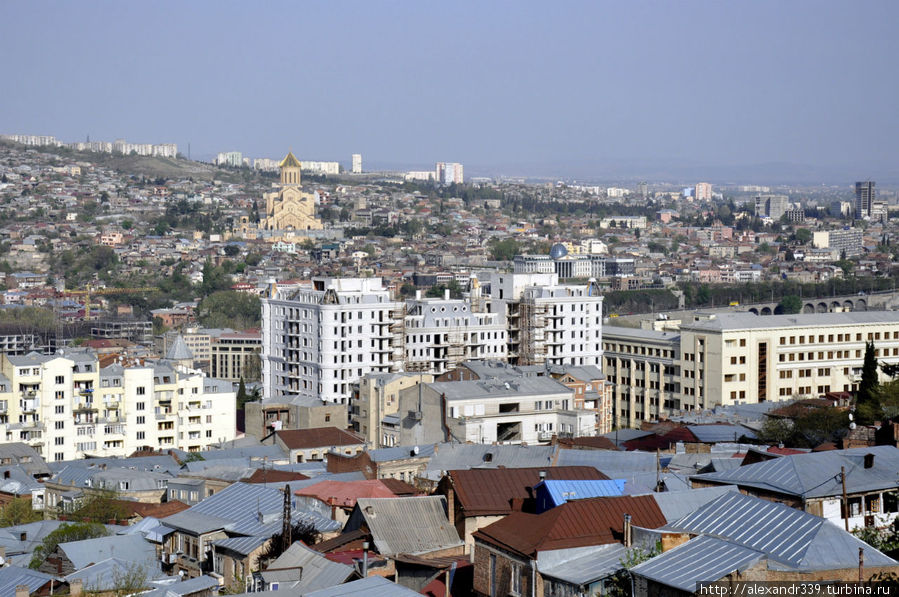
<point x="815" y="482"/>
<point x="478" y="497"/>
<point x="337" y="499"/>
<point x="406" y="525"/>
<point x="39" y="584"/>
<point x="225" y="533"/>
<point x="506" y="553"/>
<point x="76" y="555"/>
<point x="305" y="445"/>
<point x="552" y="493"/>
<point x="301" y="570"/>
<point x="743" y="538"/>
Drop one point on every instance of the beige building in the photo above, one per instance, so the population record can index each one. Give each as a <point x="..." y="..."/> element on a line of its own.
<point x="235" y="356"/>
<point x="289" y="208"/>
<point x="735" y="358"/>
<point x="375" y="403"/>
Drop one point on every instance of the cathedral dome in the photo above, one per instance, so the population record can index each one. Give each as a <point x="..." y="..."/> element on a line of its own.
<point x="558" y="251"/>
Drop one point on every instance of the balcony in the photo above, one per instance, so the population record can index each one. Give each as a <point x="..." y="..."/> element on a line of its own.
<point x="84" y="407"/>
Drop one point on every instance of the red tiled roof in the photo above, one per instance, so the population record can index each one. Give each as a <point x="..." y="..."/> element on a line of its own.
<point x="490" y="491"/>
<point x="319" y="437"/>
<point x="577" y="523"/>
<point x="345" y="493"/>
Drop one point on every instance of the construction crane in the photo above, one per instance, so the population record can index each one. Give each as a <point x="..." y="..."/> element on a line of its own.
<point x="87" y="292"/>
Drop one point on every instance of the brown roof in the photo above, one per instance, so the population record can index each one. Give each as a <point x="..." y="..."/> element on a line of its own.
<point x="319" y="437"/>
<point x="342" y="542"/>
<point x="273" y="476"/>
<point x="597" y="443"/>
<point x="490" y="491"/>
<point x="577" y="523"/>
<point x="155" y="510"/>
<point x="399" y="487"/>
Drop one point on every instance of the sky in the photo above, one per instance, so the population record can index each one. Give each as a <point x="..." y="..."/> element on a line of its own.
<point x="596" y="88"/>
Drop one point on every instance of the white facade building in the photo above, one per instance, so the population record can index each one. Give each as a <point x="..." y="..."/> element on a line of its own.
<point x="548" y="322"/>
<point x="357" y="163"/>
<point x="441" y="333"/>
<point x="317" y="341"/>
<point x="66" y="406"/>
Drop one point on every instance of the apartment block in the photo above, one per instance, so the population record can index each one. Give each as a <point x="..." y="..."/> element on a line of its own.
<point x="738" y="358"/>
<point x="318" y="340"/>
<point x="548" y="322"/>
<point x="66" y="406"/>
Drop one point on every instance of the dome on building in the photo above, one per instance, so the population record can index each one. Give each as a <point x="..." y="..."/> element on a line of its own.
<point x="558" y="251"/>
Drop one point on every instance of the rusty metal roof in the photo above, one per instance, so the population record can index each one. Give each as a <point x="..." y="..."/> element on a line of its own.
<point x="574" y="524"/>
<point x="483" y="492"/>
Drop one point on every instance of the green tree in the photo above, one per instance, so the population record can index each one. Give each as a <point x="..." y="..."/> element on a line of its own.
<point x="803" y="235"/>
<point x="621" y="580"/>
<point x="231" y="309"/>
<point x="867" y="405"/>
<point x="788" y="305"/>
<point x="99" y="506"/>
<point x="78" y="531"/>
<point x="504" y="250"/>
<point x="18" y="511"/>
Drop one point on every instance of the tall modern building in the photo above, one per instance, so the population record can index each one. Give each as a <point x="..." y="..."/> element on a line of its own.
<point x="703" y="191"/>
<point x="864" y="199"/>
<point x="772" y="206"/>
<point x="449" y="173"/>
<point x="357" y="163"/>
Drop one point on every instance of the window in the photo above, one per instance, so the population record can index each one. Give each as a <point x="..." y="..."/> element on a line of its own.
<point x="60" y="379"/>
<point x="515" y="581"/>
<point x="60" y="424"/>
<point x="60" y="409"/>
<point x="141" y="390"/>
<point x="141" y="420"/>
<point x="141" y="435"/>
<point x="59" y="441"/>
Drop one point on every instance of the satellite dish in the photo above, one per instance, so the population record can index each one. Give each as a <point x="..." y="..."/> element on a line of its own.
<point x="851" y="418"/>
<point x="852" y="425"/>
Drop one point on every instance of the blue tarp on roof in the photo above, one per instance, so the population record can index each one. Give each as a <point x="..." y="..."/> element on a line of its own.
<point x="552" y="492"/>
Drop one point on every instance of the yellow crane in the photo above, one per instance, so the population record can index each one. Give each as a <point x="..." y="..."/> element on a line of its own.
<point x="87" y="292"/>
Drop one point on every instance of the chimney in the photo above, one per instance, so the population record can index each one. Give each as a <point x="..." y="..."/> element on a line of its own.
<point x="418" y="295"/>
<point x="22" y="591"/>
<point x="451" y="505"/>
<point x="75" y="587"/>
<point x="627" y="530"/>
<point x="869" y="460"/>
<point x="543" y="475"/>
<point x="446" y="294"/>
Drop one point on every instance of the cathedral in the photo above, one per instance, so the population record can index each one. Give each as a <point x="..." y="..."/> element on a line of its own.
<point x="289" y="208"/>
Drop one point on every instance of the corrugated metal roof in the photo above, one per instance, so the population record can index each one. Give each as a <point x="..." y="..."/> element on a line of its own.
<point x="817" y="474"/>
<point x="711" y="434"/>
<point x="676" y="505"/>
<point x="552" y="493"/>
<point x="302" y="569"/>
<point x="490" y="491"/>
<point x="13" y="576"/>
<point x="698" y="560"/>
<point x="582" y="565"/>
<point x="373" y="586"/>
<point x="793" y="538"/>
<point x="132" y="548"/>
<point x="604" y="460"/>
<point x="451" y="456"/>
<point x="413" y="525"/>
<point x="104" y="575"/>
<point x="242" y="545"/>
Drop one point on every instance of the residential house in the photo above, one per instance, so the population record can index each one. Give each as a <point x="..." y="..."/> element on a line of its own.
<point x="479" y="497"/>
<point x="738" y="537"/>
<point x="304" y="445"/>
<point x="506" y="552"/>
<point x="815" y="482"/>
<point x="301" y="570"/>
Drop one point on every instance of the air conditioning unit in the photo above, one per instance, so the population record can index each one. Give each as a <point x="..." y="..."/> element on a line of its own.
<point x="415" y="415"/>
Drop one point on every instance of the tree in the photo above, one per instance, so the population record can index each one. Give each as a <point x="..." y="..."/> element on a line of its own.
<point x="232" y="250"/>
<point x="302" y="531"/>
<point x="504" y="250"/>
<point x="867" y="405"/>
<point x="99" y="506"/>
<point x="621" y="581"/>
<point x="18" y="511"/>
<point x="231" y="309"/>
<point x="78" y="531"/>
<point x="788" y="305"/>
<point x="803" y="235"/>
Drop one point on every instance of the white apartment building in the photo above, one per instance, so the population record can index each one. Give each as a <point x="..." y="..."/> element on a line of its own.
<point x="66" y="406"/>
<point x="735" y="358"/>
<point x="357" y="163"/>
<point x="441" y="333"/>
<point x="320" y="167"/>
<point x="318" y="341"/>
<point x="548" y="322"/>
<point x="449" y="173"/>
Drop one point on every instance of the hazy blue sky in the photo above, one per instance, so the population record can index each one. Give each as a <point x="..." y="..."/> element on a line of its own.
<point x="496" y="85"/>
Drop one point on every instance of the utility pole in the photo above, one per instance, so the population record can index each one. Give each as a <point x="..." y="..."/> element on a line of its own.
<point x="845" y="498"/>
